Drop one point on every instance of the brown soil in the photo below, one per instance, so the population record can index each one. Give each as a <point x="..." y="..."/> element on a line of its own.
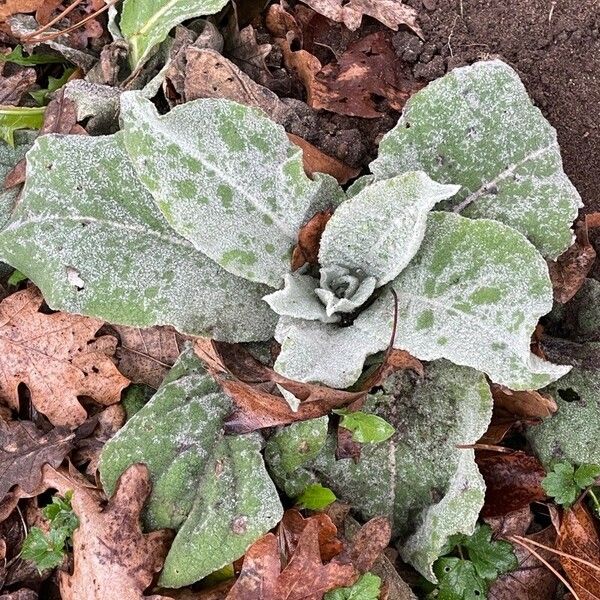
<point x="553" y="44"/>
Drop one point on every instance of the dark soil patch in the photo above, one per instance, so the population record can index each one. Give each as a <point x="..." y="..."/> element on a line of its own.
<point x="553" y="44"/>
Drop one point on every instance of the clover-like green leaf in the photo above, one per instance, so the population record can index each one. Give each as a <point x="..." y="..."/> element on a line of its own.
<point x="315" y="497"/>
<point x="560" y="484"/>
<point x="91" y="237"/>
<point x="491" y="558"/>
<point x="458" y="580"/>
<point x="477" y="127"/>
<point x="213" y="489"/>
<point x="145" y="23"/>
<point x="226" y="178"/>
<point x="449" y="408"/>
<point x="378" y="230"/>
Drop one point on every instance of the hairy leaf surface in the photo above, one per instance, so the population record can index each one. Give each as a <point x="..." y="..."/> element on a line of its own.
<point x="428" y="487"/>
<point x="226" y="178"/>
<point x="213" y="489"/>
<point x="380" y="229"/>
<point x="474" y="294"/>
<point x="90" y="236"/>
<point x="478" y="128"/>
<point x="145" y="23"/>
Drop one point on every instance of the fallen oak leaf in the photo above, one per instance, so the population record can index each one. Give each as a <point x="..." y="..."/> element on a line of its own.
<point x="305" y="577"/>
<point x="578" y="537"/>
<point x="12" y="7"/>
<point x="251" y="385"/>
<point x="146" y="355"/>
<point x="24" y="450"/>
<point x="112" y="557"/>
<point x="57" y="357"/>
<point x="367" y="71"/>
<point x="391" y="13"/>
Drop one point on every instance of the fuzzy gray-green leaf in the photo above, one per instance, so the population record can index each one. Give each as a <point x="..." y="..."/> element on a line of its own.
<point x="478" y="128"/>
<point x="226" y="178"/>
<point x="428" y="487"/>
<point x="474" y="294"/>
<point x="88" y="233"/>
<point x="212" y="489"/>
<point x="378" y="230"/>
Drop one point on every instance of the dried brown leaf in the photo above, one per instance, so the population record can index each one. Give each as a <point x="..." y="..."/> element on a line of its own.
<point x="24" y="450"/>
<point x="309" y="240"/>
<point x="12" y="7"/>
<point x="513" y="481"/>
<point x="368" y="71"/>
<point x="112" y="557"/>
<point x="569" y="270"/>
<point x="146" y="355"/>
<point x="13" y="87"/>
<point x="251" y="385"/>
<point x="532" y="580"/>
<point x="316" y="161"/>
<point x="22" y="594"/>
<point x="391" y="13"/>
<point x="578" y="537"/>
<point x="57" y="357"/>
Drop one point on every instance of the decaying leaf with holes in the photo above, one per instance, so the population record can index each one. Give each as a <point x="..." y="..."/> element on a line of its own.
<point x="58" y="357"/>
<point x="112" y="557"/>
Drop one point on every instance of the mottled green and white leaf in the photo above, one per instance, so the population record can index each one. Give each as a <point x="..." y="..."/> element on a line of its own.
<point x="379" y="230"/>
<point x="212" y="489"/>
<point x="477" y="127"/>
<point x="226" y="178"/>
<point x="450" y="407"/>
<point x="90" y="236"/>
<point x="146" y="23"/>
<point x="474" y="294"/>
<point x="572" y="433"/>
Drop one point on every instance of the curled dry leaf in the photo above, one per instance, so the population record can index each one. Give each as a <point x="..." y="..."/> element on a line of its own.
<point x="316" y="161"/>
<point x="391" y="13"/>
<point x="24" y="450"/>
<point x="57" y="357"/>
<point x="252" y="387"/>
<point x="512" y="408"/>
<point x="569" y="270"/>
<point x="146" y="355"/>
<point x="112" y="557"/>
<point x="513" y="481"/>
<point x="309" y="239"/>
<point x="12" y="7"/>
<point x="13" y="87"/>
<point x="531" y="580"/>
<point x="578" y="536"/>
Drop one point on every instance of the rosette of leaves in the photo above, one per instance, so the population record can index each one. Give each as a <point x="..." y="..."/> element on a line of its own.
<point x="190" y="219"/>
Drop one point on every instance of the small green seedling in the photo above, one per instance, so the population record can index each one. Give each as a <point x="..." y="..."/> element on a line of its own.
<point x="366" y="428"/>
<point x="316" y="497"/>
<point x="368" y="587"/>
<point x="48" y="550"/>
